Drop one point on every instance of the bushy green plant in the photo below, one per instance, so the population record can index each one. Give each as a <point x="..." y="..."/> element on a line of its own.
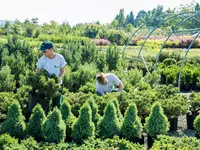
<point x="6" y="139"/>
<point x="157" y="123"/>
<point x="109" y="125"/>
<point x="68" y="117"/>
<point x="131" y="126"/>
<point x="83" y="128"/>
<point x="7" y="82"/>
<point x="14" y="123"/>
<point x="6" y="99"/>
<point x="175" y="106"/>
<point x="134" y="76"/>
<point x="53" y="128"/>
<point x="34" y="126"/>
<point x="194" y="103"/>
<point x="153" y="78"/>
<point x="197" y="124"/>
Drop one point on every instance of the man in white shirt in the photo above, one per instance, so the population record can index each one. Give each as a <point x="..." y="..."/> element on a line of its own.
<point x="53" y="63"/>
<point x="107" y="82"/>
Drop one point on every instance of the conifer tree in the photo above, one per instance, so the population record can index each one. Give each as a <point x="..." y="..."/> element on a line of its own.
<point x="132" y="126"/>
<point x="157" y="123"/>
<point x="83" y="127"/>
<point x="68" y="117"/>
<point x="34" y="126"/>
<point x="119" y="114"/>
<point x="14" y="123"/>
<point x="54" y="128"/>
<point x="109" y="125"/>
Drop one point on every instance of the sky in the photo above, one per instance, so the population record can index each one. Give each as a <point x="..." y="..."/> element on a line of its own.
<point x="78" y="11"/>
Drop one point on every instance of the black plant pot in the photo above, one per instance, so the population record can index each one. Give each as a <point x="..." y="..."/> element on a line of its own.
<point x="150" y="141"/>
<point x="138" y="140"/>
<point x="187" y="86"/>
<point x="173" y="124"/>
<point x="190" y="119"/>
<point x="163" y="79"/>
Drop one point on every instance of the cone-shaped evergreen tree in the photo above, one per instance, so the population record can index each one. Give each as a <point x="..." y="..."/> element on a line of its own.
<point x="84" y="127"/>
<point x="14" y="123"/>
<point x="109" y="125"/>
<point x="69" y="119"/>
<point x="65" y="110"/>
<point x="157" y="123"/>
<point x="95" y="115"/>
<point x="54" y="128"/>
<point x="131" y="126"/>
<point x="119" y="114"/>
<point x="34" y="126"/>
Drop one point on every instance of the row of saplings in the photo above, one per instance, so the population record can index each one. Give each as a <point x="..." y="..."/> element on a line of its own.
<point x="61" y="125"/>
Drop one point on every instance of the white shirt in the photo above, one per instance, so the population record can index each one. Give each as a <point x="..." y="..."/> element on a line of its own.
<point x="52" y="65"/>
<point x="112" y="80"/>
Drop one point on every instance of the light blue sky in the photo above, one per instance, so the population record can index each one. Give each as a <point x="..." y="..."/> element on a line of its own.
<point x="77" y="11"/>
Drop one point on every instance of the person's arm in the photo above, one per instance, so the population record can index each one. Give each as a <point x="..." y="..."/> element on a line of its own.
<point x="62" y="72"/>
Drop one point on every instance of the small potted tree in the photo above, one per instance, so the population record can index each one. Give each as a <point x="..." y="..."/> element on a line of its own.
<point x="174" y="107"/>
<point x="132" y="126"/>
<point x="193" y="109"/>
<point x="156" y="123"/>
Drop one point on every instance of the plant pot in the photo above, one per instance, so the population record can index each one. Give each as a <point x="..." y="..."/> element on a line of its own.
<point x="150" y="141"/>
<point x="35" y="99"/>
<point x="173" y="124"/>
<point x="163" y="79"/>
<point x="138" y="140"/>
<point x="187" y="86"/>
<point x="190" y="119"/>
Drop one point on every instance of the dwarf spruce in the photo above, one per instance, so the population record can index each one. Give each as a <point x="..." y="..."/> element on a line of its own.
<point x="83" y="127"/>
<point x="34" y="126"/>
<point x="157" y="123"/>
<point x="54" y="128"/>
<point x="14" y="123"/>
<point x="109" y="125"/>
<point x="68" y="117"/>
<point x="131" y="126"/>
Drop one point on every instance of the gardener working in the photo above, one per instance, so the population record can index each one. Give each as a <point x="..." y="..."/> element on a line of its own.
<point x="107" y="82"/>
<point x="53" y="63"/>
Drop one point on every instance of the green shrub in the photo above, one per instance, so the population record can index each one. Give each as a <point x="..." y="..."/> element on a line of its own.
<point x="83" y="127"/>
<point x="54" y="128"/>
<point x="6" y="139"/>
<point x="197" y="124"/>
<point x="14" y="123"/>
<point x="6" y="99"/>
<point x="131" y="126"/>
<point x="157" y="123"/>
<point x="7" y="82"/>
<point x="68" y="117"/>
<point x="109" y="125"/>
<point x="34" y="126"/>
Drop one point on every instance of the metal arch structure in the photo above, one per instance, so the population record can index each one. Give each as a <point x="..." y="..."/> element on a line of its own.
<point x="139" y="53"/>
<point x="176" y="27"/>
<point x="184" y="59"/>
<point x="172" y="16"/>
